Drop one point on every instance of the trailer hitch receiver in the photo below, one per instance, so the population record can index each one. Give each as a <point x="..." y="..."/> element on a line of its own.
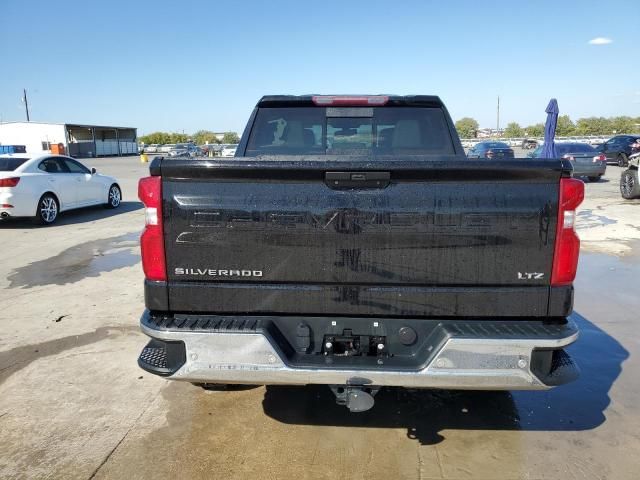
<point x="355" y="398"/>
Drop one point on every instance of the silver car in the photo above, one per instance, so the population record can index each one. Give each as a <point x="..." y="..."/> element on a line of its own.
<point x="586" y="160"/>
<point x="228" y="151"/>
<point x="153" y="148"/>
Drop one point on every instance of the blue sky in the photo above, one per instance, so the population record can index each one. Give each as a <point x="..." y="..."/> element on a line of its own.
<point x="187" y="65"/>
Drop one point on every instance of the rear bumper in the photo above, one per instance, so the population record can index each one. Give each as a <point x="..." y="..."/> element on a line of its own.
<point x="22" y="205"/>
<point x="461" y="354"/>
<point x="589" y="170"/>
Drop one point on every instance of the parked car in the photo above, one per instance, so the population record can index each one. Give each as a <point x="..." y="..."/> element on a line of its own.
<point x="629" y="183"/>
<point x="381" y="267"/>
<point x="585" y="159"/>
<point x="206" y="148"/>
<point x="529" y="143"/>
<point x="178" y="152"/>
<point x="211" y="149"/>
<point x="618" y="149"/>
<point x="166" y="148"/>
<point x="153" y="148"/>
<point x="228" y="151"/>
<point x="490" y="149"/>
<point x="184" y="150"/>
<point x="43" y="186"/>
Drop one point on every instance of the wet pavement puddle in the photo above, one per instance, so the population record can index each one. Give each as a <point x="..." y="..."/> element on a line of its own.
<point x="76" y="263"/>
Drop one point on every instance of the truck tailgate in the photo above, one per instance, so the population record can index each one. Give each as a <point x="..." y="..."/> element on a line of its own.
<point x="322" y="236"/>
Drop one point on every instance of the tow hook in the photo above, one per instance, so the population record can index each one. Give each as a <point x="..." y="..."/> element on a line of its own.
<point x="356" y="399"/>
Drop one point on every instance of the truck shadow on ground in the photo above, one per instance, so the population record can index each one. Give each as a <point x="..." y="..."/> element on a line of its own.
<point x="425" y="413"/>
<point x="74" y="217"/>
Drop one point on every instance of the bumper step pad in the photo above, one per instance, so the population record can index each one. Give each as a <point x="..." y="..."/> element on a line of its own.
<point x="154" y="357"/>
<point x="162" y="358"/>
<point x="208" y="323"/>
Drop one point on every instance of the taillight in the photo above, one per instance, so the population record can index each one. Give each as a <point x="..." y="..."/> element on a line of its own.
<point x="152" y="238"/>
<point x="9" y="182"/>
<point x="489" y="154"/>
<point x="567" y="248"/>
<point x="568" y="157"/>
<point x="599" y="158"/>
<point x="350" y="100"/>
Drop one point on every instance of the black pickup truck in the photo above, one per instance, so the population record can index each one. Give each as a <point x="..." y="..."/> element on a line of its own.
<point x="351" y="243"/>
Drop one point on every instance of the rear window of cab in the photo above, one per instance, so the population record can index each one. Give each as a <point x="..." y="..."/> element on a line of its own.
<point x="349" y="130"/>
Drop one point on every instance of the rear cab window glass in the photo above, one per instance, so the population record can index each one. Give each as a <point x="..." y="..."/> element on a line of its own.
<point x="349" y="130"/>
<point x="10" y="164"/>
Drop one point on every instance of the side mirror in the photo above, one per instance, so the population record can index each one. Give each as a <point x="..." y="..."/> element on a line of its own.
<point x="93" y="171"/>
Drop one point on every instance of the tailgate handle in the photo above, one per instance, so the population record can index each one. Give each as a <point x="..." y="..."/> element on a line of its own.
<point x="357" y="179"/>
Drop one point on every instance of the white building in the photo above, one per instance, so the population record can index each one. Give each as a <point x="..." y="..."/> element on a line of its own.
<point x="77" y="140"/>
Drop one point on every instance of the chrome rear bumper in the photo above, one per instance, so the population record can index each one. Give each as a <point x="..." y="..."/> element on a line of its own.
<point x="482" y="363"/>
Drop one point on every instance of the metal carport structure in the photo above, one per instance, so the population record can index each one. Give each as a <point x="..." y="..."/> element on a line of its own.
<point x="100" y="141"/>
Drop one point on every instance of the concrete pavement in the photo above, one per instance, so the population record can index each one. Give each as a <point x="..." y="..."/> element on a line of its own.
<point x="74" y="404"/>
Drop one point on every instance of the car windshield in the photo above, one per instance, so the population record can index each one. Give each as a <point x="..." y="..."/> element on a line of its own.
<point x="356" y="130"/>
<point x="10" y="164"/>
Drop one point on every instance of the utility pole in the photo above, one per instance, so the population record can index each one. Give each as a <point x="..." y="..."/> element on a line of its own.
<point x="498" y="119"/>
<point x="26" y="103"/>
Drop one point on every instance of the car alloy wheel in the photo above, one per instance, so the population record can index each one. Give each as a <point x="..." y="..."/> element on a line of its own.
<point x="114" y="196"/>
<point x="629" y="187"/>
<point x="48" y="209"/>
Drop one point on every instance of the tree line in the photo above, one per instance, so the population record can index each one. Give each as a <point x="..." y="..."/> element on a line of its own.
<point x="199" y="138"/>
<point x="468" y="127"/>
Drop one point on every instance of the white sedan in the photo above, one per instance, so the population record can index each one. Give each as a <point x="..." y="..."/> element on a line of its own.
<point x="228" y="151"/>
<point x="43" y="186"/>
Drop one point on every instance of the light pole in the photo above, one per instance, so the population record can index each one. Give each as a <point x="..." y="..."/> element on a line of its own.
<point x="498" y="118"/>
<point x="26" y="103"/>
